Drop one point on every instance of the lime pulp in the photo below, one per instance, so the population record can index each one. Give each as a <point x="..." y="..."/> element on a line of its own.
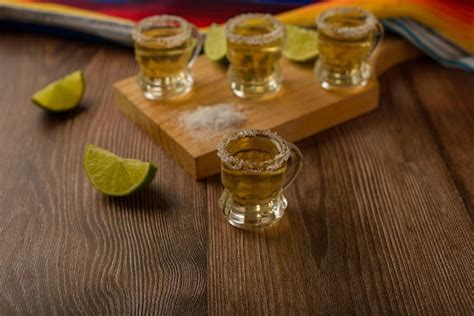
<point x="301" y="44"/>
<point x="62" y="95"/>
<point x="116" y="176"/>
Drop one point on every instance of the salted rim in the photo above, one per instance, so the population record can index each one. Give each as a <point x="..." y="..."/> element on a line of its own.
<point x="157" y="20"/>
<point x="347" y="31"/>
<point x="266" y="165"/>
<point x="278" y="30"/>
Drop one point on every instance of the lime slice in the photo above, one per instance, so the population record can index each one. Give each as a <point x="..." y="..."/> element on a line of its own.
<point x="116" y="176"/>
<point x="301" y="44"/>
<point x="61" y="95"/>
<point x="215" y="46"/>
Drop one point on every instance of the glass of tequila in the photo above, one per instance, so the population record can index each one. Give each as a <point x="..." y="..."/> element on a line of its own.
<point x="348" y="38"/>
<point x="166" y="46"/>
<point x="254" y="45"/>
<point x="256" y="166"/>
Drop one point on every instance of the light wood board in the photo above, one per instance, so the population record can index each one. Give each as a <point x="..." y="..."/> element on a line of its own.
<point x="300" y="109"/>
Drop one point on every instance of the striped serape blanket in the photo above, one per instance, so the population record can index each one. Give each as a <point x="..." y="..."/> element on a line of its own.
<point x="444" y="30"/>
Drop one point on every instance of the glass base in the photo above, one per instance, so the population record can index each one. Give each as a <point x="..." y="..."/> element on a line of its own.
<point x="255" y="88"/>
<point x="331" y="80"/>
<point x="252" y="216"/>
<point x="167" y="87"/>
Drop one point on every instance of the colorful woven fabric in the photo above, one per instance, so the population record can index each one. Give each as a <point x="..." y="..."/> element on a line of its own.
<point x="444" y="30"/>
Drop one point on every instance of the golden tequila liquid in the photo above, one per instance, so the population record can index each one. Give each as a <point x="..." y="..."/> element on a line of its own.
<point x="344" y="55"/>
<point x="161" y="60"/>
<point x="165" y="48"/>
<point x="254" y="62"/>
<point x="256" y="166"/>
<point x="250" y="187"/>
<point x="254" y="47"/>
<point x="346" y="42"/>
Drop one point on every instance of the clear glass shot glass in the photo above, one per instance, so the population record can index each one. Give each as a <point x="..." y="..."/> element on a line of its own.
<point x="254" y="47"/>
<point x="256" y="167"/>
<point x="348" y="38"/>
<point x="166" y="46"/>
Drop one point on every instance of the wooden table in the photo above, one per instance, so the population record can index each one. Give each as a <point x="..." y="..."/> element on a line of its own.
<point x="380" y="220"/>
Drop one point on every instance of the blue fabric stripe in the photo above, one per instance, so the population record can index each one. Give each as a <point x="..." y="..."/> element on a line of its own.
<point x="111" y="30"/>
<point x="436" y="43"/>
<point x="423" y="43"/>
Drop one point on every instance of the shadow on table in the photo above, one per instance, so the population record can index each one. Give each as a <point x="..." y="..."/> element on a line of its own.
<point x="273" y="233"/>
<point x="50" y="120"/>
<point x="149" y="199"/>
<point x="309" y="65"/>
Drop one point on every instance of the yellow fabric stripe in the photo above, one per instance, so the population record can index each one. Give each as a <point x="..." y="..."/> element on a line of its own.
<point x="459" y="33"/>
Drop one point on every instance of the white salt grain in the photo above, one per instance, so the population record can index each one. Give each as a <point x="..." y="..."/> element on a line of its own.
<point x="206" y="121"/>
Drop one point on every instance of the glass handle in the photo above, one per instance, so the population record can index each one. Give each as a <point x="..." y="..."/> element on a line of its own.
<point x="295" y="163"/>
<point x="197" y="48"/>
<point x="378" y="39"/>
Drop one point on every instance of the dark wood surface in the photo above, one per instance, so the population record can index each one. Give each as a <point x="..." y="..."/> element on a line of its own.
<point x="379" y="221"/>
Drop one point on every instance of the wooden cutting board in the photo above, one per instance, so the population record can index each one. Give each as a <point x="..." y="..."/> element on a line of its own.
<point x="300" y="109"/>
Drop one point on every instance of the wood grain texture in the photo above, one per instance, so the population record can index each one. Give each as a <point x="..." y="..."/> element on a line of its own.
<point x="65" y="248"/>
<point x="300" y="109"/>
<point x="379" y="221"/>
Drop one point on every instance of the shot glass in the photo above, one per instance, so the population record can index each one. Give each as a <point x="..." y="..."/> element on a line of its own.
<point x="166" y="46"/>
<point x="348" y="38"/>
<point x="256" y="167"/>
<point x="254" y="46"/>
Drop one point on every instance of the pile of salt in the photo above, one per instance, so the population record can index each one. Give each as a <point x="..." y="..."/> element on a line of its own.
<point x="206" y="121"/>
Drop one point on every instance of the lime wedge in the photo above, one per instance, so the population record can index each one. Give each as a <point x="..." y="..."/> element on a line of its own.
<point x="301" y="44"/>
<point x="61" y="95"/>
<point x="116" y="176"/>
<point x="215" y="46"/>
